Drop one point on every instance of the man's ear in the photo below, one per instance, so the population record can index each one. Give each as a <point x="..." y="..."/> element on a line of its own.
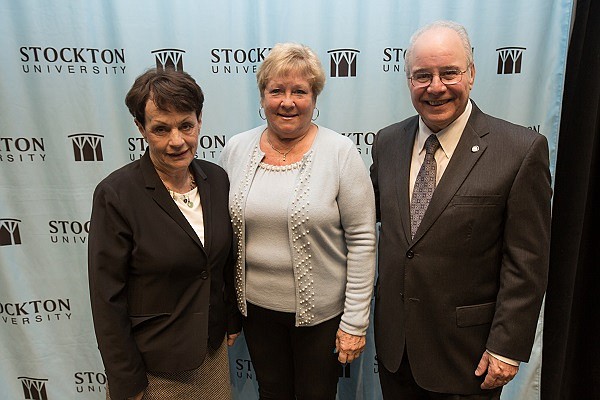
<point x="472" y="78"/>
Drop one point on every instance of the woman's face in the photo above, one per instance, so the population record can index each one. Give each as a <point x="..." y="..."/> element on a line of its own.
<point x="172" y="137"/>
<point x="289" y="103"/>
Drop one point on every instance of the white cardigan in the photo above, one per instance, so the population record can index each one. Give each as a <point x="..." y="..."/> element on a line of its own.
<point x="331" y="227"/>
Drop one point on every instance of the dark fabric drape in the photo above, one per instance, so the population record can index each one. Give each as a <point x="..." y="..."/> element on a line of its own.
<point x="571" y="353"/>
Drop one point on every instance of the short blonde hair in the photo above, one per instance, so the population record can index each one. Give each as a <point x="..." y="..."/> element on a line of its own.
<point x="291" y="58"/>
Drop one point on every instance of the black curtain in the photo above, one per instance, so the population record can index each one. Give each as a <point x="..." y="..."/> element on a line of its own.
<point x="571" y="353"/>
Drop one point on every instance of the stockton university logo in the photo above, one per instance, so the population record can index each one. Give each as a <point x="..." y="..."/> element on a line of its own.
<point x="236" y="60"/>
<point x="362" y="140"/>
<point x="35" y="311"/>
<point x="68" y="231"/>
<point x="169" y="59"/>
<point x="87" y="146"/>
<point x="342" y="63"/>
<point x="33" y="388"/>
<point x="393" y="59"/>
<point x="22" y="149"/>
<point x="510" y="60"/>
<point x="9" y="232"/>
<point x="72" y="60"/>
<point x="90" y="382"/>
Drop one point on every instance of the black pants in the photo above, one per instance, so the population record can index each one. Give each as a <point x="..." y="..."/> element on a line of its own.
<point x="402" y="385"/>
<point x="290" y="362"/>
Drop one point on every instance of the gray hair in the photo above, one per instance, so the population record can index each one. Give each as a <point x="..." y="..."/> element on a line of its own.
<point x="456" y="27"/>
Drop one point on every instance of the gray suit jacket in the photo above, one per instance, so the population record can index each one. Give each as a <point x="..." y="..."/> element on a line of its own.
<point x="474" y="275"/>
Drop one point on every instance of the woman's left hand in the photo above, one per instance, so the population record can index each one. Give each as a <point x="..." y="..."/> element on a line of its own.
<point x="349" y="346"/>
<point x="231" y="338"/>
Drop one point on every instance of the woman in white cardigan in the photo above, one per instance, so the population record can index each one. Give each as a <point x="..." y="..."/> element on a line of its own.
<point x="303" y="212"/>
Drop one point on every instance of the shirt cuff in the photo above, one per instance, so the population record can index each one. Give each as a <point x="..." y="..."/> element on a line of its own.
<point x="507" y="360"/>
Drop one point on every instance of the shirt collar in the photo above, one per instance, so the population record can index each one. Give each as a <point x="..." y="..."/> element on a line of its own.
<point x="449" y="136"/>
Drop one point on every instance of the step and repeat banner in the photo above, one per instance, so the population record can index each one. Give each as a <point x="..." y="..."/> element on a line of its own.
<point x="66" y="67"/>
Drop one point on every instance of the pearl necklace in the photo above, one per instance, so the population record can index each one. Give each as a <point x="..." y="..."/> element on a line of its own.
<point x="184" y="197"/>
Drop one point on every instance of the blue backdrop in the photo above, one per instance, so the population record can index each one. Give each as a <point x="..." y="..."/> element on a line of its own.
<point x="66" y="67"/>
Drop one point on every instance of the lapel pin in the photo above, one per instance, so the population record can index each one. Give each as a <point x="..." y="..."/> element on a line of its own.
<point x="474" y="149"/>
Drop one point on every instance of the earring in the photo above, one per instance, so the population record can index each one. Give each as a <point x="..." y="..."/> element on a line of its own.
<point x="318" y="113"/>
<point x="260" y="114"/>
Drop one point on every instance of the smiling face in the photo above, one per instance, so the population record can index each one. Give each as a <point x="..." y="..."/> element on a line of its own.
<point x="172" y="138"/>
<point x="289" y="103"/>
<point x="435" y="51"/>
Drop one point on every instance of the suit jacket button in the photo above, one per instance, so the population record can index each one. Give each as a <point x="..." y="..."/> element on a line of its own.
<point x="410" y="254"/>
<point x="204" y="275"/>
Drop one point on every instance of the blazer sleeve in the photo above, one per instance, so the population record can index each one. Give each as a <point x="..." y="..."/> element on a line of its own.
<point x="525" y="256"/>
<point x="234" y="317"/>
<point x="110" y="246"/>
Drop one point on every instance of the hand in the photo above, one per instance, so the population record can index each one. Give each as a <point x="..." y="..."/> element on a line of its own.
<point x="137" y="396"/>
<point x="348" y="346"/>
<point x="499" y="373"/>
<point x="231" y="338"/>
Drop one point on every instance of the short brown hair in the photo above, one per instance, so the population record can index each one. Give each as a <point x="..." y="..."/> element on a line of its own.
<point x="170" y="90"/>
<point x="285" y="58"/>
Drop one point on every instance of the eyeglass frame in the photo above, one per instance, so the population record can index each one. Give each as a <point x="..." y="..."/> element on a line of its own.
<point x="460" y="74"/>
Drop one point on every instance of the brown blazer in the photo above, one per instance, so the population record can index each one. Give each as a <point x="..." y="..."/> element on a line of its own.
<point x="159" y="296"/>
<point x="474" y="275"/>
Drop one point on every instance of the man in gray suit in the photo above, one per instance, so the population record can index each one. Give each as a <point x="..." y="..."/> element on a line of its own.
<point x="464" y="204"/>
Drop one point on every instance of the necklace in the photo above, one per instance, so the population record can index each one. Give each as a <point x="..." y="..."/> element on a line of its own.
<point x="184" y="197"/>
<point x="187" y="200"/>
<point x="284" y="154"/>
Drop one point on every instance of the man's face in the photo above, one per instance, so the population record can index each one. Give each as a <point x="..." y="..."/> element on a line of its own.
<point x="436" y="51"/>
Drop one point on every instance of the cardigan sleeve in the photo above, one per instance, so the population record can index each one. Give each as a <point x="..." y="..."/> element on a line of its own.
<point x="356" y="203"/>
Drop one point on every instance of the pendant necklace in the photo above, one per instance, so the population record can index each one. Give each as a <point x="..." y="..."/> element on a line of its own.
<point x="184" y="197"/>
<point x="284" y="154"/>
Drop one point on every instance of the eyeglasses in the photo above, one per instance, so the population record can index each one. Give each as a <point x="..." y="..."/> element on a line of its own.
<point x="448" y="77"/>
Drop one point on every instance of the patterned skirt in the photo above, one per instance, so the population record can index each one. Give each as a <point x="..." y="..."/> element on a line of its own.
<point x="210" y="381"/>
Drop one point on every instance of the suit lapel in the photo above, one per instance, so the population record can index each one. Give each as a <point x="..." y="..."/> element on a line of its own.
<point x="405" y="147"/>
<point x="161" y="196"/>
<point x="468" y="150"/>
<point x="204" y="191"/>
